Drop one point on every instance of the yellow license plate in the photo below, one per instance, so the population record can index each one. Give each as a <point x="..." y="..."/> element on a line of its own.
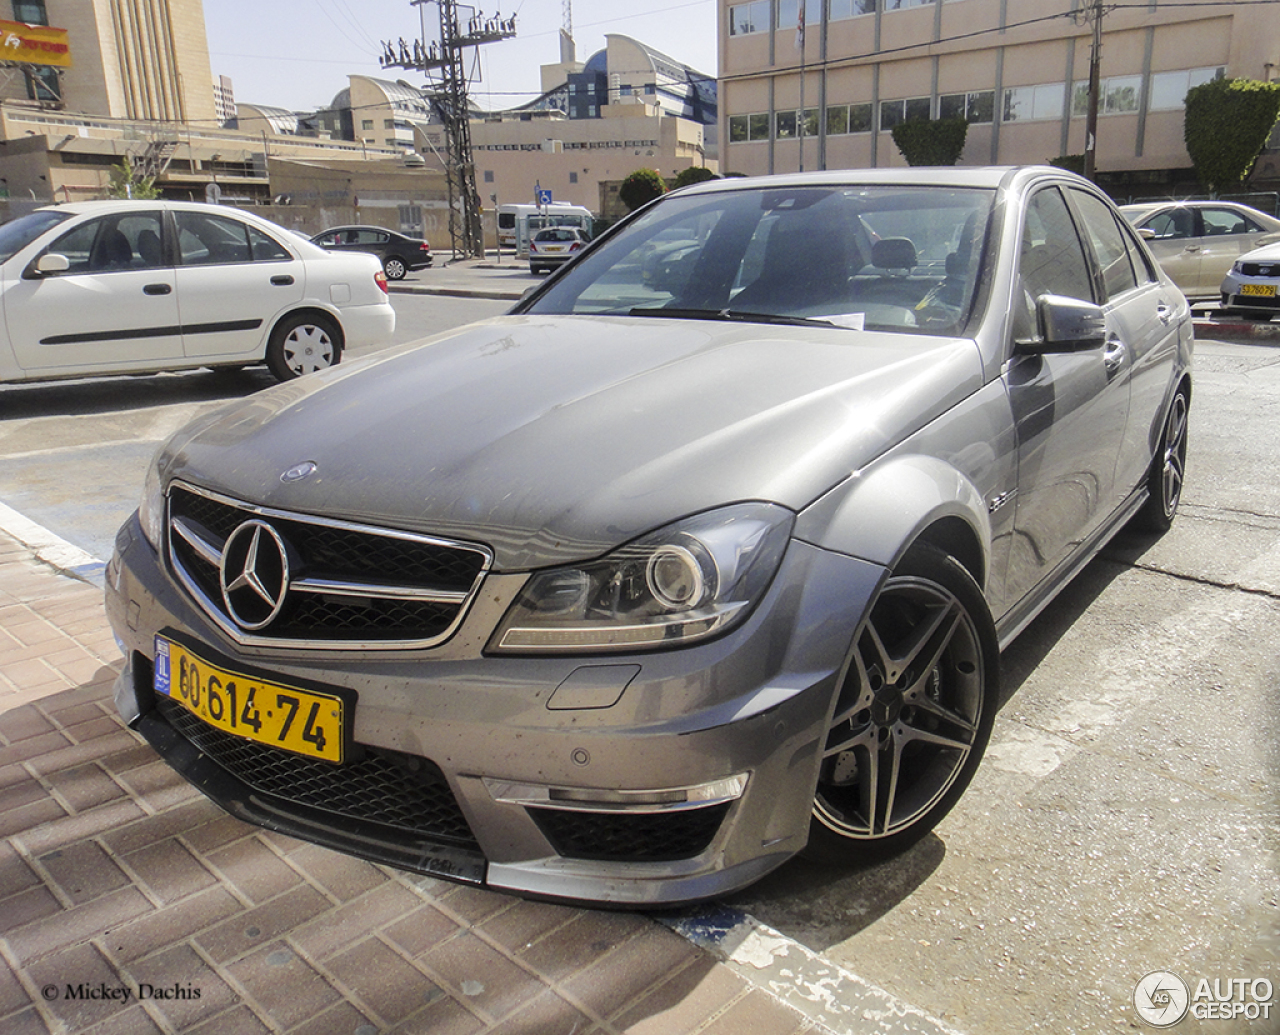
<point x="282" y="716"/>
<point x="1265" y="290"/>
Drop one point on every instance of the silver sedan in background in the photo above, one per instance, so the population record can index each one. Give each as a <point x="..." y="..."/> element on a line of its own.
<point x="1197" y="241"/>
<point x="675" y="571"/>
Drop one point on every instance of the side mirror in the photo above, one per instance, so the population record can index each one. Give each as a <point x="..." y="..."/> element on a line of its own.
<point x="1066" y="325"/>
<point x="52" y="262"/>
<point x="1146" y="233"/>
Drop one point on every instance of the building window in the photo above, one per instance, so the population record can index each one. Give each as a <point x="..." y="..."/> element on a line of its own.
<point x="1117" y="95"/>
<point x="32" y="12"/>
<point x="366" y="123"/>
<point x="488" y="176"/>
<point x="573" y="177"/>
<point x="789" y="13"/>
<point x="893" y="112"/>
<point x="743" y="128"/>
<point x="745" y="19"/>
<point x="1024" y="103"/>
<point x="972" y="107"/>
<point x="902" y="5"/>
<point x="1169" y="89"/>
<point x="842" y="9"/>
<point x="848" y="118"/>
<point x="388" y="123"/>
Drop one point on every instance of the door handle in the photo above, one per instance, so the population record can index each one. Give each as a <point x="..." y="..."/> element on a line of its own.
<point x="157" y="289"/>
<point x="282" y="280"/>
<point x="1113" y="356"/>
<point x="1164" y="312"/>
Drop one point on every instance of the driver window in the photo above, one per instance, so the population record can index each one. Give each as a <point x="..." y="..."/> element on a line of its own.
<point x="1053" y="261"/>
<point x="115" y="242"/>
<point x="1052" y="258"/>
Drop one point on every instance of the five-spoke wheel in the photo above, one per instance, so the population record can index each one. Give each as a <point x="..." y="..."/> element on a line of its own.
<point x="1164" y="482"/>
<point x="913" y="715"/>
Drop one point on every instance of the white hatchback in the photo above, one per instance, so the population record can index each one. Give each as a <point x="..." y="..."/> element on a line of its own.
<point x="105" y="287"/>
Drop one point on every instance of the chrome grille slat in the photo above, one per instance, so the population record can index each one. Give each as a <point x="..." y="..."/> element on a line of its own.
<point x="352" y="586"/>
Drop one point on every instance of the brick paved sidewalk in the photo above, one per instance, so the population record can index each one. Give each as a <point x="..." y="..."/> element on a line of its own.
<point x="117" y="879"/>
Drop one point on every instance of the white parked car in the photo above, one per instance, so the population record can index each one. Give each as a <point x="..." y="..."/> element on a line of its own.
<point x="105" y="287"/>
<point x="1252" y="285"/>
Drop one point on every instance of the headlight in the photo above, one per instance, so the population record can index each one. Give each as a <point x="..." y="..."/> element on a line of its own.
<point x="151" y="507"/>
<point x="686" y="582"/>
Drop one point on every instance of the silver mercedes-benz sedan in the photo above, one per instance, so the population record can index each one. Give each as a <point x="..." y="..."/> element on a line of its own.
<point x="701" y="557"/>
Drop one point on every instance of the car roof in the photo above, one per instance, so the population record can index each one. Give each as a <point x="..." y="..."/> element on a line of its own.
<point x="990" y="176"/>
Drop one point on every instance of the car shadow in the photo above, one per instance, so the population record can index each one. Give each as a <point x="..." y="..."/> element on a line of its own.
<point x="129" y="392"/>
<point x="1033" y="644"/>
<point x="821" y="906"/>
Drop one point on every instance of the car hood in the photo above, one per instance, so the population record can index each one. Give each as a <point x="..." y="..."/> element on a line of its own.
<point x="554" y="439"/>
<point x="1263" y="253"/>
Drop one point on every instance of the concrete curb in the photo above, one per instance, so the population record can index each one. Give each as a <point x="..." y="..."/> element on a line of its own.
<point x="456" y="292"/>
<point x="52" y="549"/>
<point x="1254" y="332"/>
<point x="836" y="1001"/>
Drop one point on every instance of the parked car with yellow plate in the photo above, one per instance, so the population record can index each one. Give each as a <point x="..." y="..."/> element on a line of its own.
<point x="1251" y="285"/>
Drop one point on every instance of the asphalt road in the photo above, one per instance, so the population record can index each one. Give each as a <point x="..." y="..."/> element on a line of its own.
<point x="1125" y="819"/>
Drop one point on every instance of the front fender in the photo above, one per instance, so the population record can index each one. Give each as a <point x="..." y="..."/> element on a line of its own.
<point x="876" y="514"/>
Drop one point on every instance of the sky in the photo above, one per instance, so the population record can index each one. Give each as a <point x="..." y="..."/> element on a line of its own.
<point x="297" y="54"/>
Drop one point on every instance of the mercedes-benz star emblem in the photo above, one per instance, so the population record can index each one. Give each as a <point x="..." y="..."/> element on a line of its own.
<point x="299" y="471"/>
<point x="254" y="574"/>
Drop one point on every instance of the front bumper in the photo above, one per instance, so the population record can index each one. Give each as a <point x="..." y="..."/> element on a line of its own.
<point x="642" y="779"/>
<point x="1236" y="284"/>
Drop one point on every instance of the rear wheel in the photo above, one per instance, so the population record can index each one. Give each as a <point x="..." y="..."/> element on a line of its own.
<point x="913" y="716"/>
<point x="394" y="267"/>
<point x="1164" y="480"/>
<point x="302" y="344"/>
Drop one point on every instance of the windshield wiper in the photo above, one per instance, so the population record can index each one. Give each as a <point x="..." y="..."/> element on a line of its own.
<point x="729" y="315"/>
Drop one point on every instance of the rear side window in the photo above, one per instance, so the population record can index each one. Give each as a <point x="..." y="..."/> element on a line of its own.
<point x="1108" y="244"/>
<point x="205" y="239"/>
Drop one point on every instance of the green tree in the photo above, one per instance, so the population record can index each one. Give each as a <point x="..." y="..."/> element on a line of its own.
<point x="640" y="188"/>
<point x="931" y="141"/>
<point x="693" y="174"/>
<point x="1072" y="163"/>
<point x="1226" y="125"/>
<point x="126" y="183"/>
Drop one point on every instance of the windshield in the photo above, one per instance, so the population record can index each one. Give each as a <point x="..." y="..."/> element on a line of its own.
<point x="904" y="258"/>
<point x="18" y="233"/>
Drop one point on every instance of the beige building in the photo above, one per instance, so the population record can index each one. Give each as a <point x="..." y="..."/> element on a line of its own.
<point x="572" y="157"/>
<point x="130" y="59"/>
<point x="1017" y="71"/>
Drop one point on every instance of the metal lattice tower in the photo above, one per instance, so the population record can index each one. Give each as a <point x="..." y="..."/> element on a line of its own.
<point x="442" y="63"/>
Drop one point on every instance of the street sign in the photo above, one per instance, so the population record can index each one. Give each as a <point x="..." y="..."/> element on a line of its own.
<point x="544" y="195"/>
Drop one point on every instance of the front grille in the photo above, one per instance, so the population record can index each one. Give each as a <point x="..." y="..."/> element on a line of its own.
<point x="1260" y="269"/>
<point x="400" y="791"/>
<point x="350" y="586"/>
<point x="623" y="837"/>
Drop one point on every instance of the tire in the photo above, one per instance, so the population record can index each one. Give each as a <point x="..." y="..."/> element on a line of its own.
<point x="302" y="344"/>
<point x="1168" y="466"/>
<point x="394" y="267"/>
<point x="906" y="738"/>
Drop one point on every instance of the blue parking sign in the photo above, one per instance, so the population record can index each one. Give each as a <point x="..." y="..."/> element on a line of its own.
<point x="544" y="196"/>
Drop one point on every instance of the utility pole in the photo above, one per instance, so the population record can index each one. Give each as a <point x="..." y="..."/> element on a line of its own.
<point x="1094" y="15"/>
<point x="442" y="62"/>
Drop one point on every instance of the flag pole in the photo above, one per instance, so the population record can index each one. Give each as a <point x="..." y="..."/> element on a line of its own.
<point x="800" y="47"/>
